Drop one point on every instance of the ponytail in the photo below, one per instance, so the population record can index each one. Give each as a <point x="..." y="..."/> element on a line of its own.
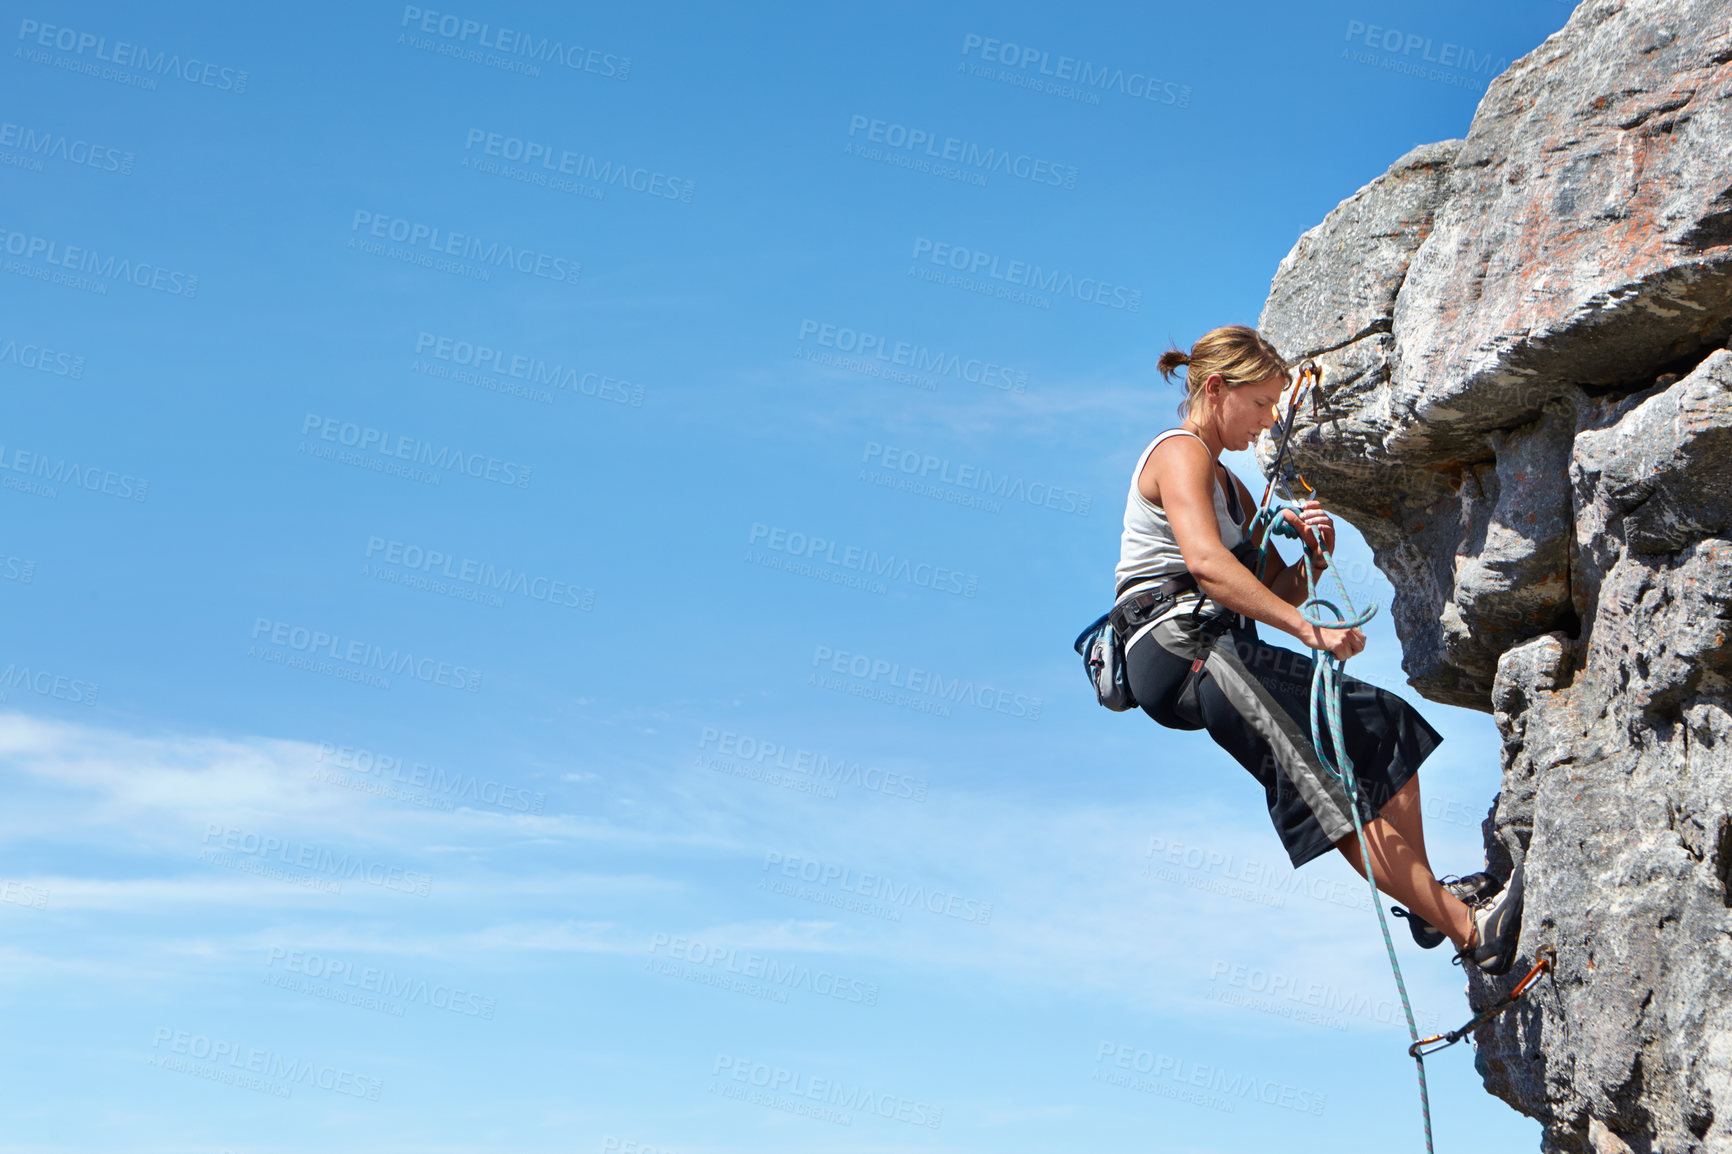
<point x="1170" y="361"/>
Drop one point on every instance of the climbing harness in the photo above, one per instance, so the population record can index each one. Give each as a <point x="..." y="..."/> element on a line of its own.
<point x="1424" y="1046"/>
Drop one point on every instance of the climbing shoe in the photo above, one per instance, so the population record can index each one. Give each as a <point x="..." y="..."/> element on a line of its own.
<point x="1469" y="889"/>
<point x="1499" y="922"/>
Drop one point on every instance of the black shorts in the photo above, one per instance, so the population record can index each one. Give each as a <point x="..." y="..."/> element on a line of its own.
<point x="1255" y="701"/>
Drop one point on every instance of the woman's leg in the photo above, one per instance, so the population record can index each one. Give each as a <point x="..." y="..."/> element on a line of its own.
<point x="1404" y="813"/>
<point x="1269" y="702"/>
<point x="1403" y="874"/>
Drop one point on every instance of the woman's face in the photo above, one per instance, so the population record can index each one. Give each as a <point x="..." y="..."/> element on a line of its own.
<point x="1243" y="413"/>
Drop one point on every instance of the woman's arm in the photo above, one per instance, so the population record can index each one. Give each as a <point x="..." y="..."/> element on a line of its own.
<point x="1286" y="581"/>
<point x="1184" y="472"/>
<point x="1289" y="584"/>
<point x="1278" y="576"/>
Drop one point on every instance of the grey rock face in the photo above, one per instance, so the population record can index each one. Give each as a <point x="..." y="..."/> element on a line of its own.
<point x="1527" y="410"/>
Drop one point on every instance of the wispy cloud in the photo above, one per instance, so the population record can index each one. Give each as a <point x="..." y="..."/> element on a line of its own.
<point x="1077" y="898"/>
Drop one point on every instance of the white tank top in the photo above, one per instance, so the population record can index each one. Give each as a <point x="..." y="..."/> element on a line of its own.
<point x="1148" y="549"/>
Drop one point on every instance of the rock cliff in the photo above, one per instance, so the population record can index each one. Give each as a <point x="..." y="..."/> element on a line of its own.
<point x="1527" y="410"/>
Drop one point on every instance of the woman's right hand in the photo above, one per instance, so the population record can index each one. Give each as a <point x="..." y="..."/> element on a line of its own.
<point x="1341" y="643"/>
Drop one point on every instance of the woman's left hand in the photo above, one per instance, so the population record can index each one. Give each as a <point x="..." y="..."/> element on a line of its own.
<point x="1316" y="528"/>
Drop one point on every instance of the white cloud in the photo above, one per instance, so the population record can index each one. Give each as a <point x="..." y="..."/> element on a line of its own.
<point x="1073" y="905"/>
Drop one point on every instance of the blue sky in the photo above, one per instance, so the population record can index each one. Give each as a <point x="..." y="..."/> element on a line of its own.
<point x="449" y="703"/>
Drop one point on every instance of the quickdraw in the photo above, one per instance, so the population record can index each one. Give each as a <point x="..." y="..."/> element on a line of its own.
<point x="1424" y="1046"/>
<point x="1310" y="381"/>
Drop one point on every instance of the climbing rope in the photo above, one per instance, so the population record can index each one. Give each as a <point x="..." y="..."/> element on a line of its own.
<point x="1326" y="672"/>
<point x="1326" y="695"/>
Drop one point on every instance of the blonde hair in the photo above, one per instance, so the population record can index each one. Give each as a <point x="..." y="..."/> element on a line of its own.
<point x="1240" y="354"/>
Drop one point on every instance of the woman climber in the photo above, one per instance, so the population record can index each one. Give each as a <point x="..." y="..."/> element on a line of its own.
<point x="1187" y="609"/>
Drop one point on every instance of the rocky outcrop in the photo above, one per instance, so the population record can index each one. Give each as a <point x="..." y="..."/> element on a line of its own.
<point x="1527" y="410"/>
